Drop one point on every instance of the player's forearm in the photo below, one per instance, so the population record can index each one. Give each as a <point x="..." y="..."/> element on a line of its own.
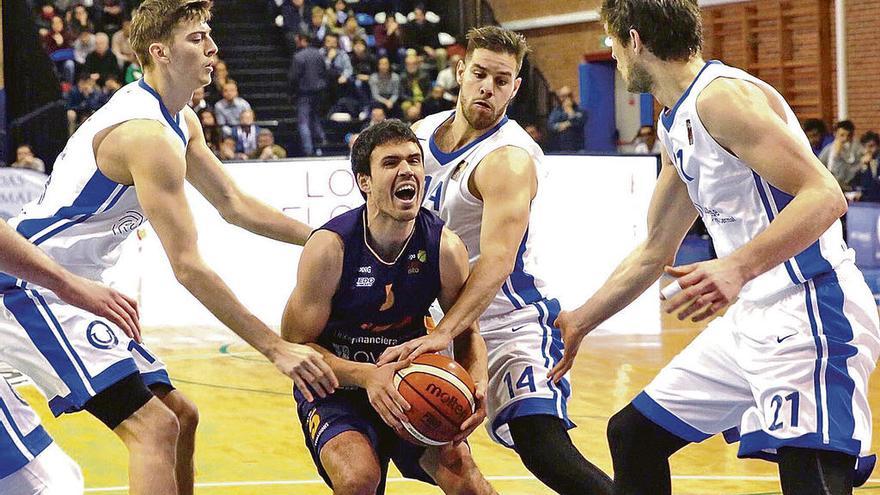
<point x="349" y="373"/>
<point x="483" y="283"/>
<point x="788" y="234"/>
<point x="22" y="259"/>
<point x="261" y="219"/>
<point x="210" y="290"/>
<point x="631" y="278"/>
<point x="471" y="353"/>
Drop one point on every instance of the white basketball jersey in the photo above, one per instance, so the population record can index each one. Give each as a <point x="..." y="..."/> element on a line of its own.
<point x="83" y="216"/>
<point x="447" y="194"/>
<point x="21" y="436"/>
<point x="736" y="203"/>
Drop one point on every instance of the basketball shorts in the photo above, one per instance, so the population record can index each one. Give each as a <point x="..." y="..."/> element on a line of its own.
<point x="69" y="353"/>
<point x="52" y="472"/>
<point x="788" y="371"/>
<point x="523" y="346"/>
<point x="350" y="410"/>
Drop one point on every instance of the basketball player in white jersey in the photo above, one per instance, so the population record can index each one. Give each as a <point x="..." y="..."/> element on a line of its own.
<point x="483" y="176"/>
<point x="127" y="164"/>
<point x="785" y="370"/>
<point x="30" y="462"/>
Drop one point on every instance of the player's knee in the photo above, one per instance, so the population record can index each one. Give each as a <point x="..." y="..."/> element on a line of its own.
<point x="622" y="431"/>
<point x="356" y="480"/>
<point x="187" y="416"/>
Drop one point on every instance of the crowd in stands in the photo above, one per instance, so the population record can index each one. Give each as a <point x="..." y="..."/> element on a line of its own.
<point x="852" y="161"/>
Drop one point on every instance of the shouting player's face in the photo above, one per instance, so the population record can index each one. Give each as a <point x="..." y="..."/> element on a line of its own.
<point x="192" y="53"/>
<point x="488" y="83"/>
<point x="397" y="180"/>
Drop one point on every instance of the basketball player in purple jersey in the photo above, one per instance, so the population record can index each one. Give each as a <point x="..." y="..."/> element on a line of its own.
<point x="785" y="370"/>
<point x="365" y="282"/>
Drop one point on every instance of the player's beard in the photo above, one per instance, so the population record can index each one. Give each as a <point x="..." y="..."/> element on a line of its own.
<point x="480" y="121"/>
<point x="640" y="80"/>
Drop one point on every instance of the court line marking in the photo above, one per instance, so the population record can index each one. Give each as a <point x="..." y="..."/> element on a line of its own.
<point x="220" y="484"/>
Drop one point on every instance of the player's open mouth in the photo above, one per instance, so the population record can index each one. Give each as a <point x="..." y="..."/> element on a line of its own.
<point x="483" y="104"/>
<point x="405" y="192"/>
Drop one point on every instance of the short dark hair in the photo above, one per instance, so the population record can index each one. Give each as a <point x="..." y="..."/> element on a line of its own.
<point x="870" y="136"/>
<point x="817" y="125"/>
<point x="670" y="29"/>
<point x="500" y="40"/>
<point x="845" y="124"/>
<point x="389" y="131"/>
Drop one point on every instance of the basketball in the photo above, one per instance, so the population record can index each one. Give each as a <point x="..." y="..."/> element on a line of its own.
<point x="441" y="397"/>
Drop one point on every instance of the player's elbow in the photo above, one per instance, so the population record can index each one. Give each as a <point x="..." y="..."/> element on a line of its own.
<point x="231" y="209"/>
<point x="836" y="201"/>
<point x="187" y="270"/>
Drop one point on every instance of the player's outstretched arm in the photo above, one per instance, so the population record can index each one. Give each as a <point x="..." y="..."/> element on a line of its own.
<point x="27" y="262"/>
<point x="470" y="348"/>
<point x="751" y="124"/>
<point x="670" y="214"/>
<point x="306" y="315"/>
<point x="157" y="166"/>
<point x="205" y="173"/>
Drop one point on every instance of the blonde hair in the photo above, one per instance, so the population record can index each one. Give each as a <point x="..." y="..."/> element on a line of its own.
<point x="154" y="21"/>
<point x="500" y="40"/>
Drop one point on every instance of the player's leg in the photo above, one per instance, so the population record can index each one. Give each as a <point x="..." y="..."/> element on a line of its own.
<point x="640" y="451"/>
<point x="453" y="469"/>
<point x="819" y="472"/>
<point x="351" y="464"/>
<point x="699" y="393"/>
<point x="188" y="418"/>
<point x="546" y="449"/>
<point x="148" y="429"/>
<point x="521" y="350"/>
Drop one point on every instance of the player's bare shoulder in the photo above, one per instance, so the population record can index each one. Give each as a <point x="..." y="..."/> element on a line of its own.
<point x="729" y="107"/>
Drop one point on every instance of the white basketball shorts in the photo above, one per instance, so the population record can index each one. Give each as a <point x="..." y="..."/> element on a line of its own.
<point x="788" y="371"/>
<point x="51" y="473"/>
<point x="70" y="354"/>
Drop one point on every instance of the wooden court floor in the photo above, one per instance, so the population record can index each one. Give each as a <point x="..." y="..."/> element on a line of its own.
<point x="249" y="440"/>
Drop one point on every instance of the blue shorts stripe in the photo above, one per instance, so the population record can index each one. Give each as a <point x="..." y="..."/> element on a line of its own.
<point x="819" y="356"/>
<point x="838" y="332"/>
<point x="523" y="284"/>
<point x="665" y="419"/>
<point x="548" y="312"/>
<point x="510" y="296"/>
<point x="28" y="316"/>
<point x="765" y="201"/>
<point x="60" y="330"/>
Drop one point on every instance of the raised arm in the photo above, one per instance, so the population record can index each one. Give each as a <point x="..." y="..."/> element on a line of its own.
<point x="670" y="214"/>
<point x="22" y="259"/>
<point x="205" y="172"/>
<point x="157" y="166"/>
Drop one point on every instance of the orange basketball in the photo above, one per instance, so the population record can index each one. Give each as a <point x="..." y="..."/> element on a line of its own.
<point x="441" y="397"/>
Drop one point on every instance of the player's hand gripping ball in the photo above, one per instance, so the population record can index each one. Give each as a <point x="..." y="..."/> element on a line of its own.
<point x="440" y="393"/>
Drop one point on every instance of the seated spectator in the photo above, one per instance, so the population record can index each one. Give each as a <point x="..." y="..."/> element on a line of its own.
<point x="447" y="80"/>
<point x="377" y="114"/>
<point x="341" y="13"/>
<point x="44" y="18"/>
<point x="363" y="63"/>
<point x="421" y="34"/>
<point x="266" y="147"/>
<point x="414" y="81"/>
<point x="111" y="86"/>
<point x="867" y="179"/>
<point x="197" y="102"/>
<point x="24" y="158"/>
<point x="228" y="110"/>
<point x="82" y="101"/>
<point x="245" y="133"/>
<point x="78" y="20"/>
<point x="566" y="123"/>
<point x="58" y="43"/>
<point x="646" y="142"/>
<point x="227" y="150"/>
<point x="412" y="113"/>
<point x="435" y="102"/>
<point x="121" y="46"/>
<point x="389" y="39"/>
<point x="339" y="67"/>
<point x="293" y="19"/>
<point x="308" y="81"/>
<point x="843" y="156"/>
<point x="213" y="133"/>
<point x="111" y="13"/>
<point x="318" y="28"/>
<point x="101" y="62"/>
<point x="83" y="46"/>
<point x="817" y="133"/>
<point x="385" y="86"/>
<point x="350" y="32"/>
